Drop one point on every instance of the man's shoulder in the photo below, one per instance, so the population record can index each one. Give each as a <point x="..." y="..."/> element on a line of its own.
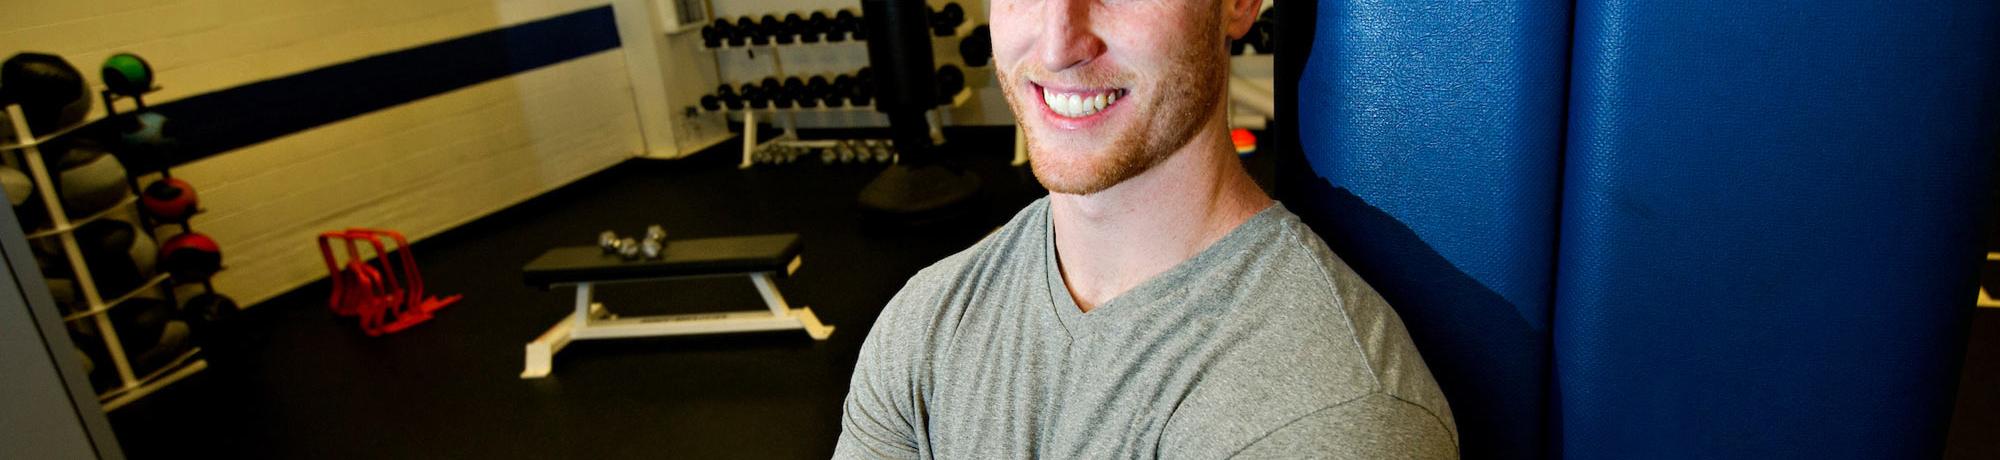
<point x="1014" y="240"/>
<point x="1301" y="273"/>
<point x="1313" y="321"/>
<point x="983" y="268"/>
<point x="1289" y="270"/>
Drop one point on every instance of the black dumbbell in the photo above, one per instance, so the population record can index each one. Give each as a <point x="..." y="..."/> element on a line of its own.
<point x="819" y="86"/>
<point x="945" y="20"/>
<point x="842" y="84"/>
<point x="950" y="81"/>
<point x="728" y="96"/>
<point x="797" y="25"/>
<point x="754" y="95"/>
<point x="792" y="29"/>
<point x="711" y="103"/>
<point x="804" y="97"/>
<point x="861" y="97"/>
<point x="1263" y="33"/>
<point x="819" y="24"/>
<point x="1255" y="39"/>
<point x="743" y="33"/>
<point x="818" y="89"/>
<point x="795" y="90"/>
<point x="863" y="92"/>
<point x="846" y="21"/>
<point x="838" y="90"/>
<point x="835" y="31"/>
<point x="746" y="32"/>
<point x="977" y="48"/>
<point x="768" y="28"/>
<point x="774" y="90"/>
<point x="808" y="33"/>
<point x="712" y="35"/>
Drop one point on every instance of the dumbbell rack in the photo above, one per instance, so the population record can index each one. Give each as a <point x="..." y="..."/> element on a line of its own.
<point x="788" y="124"/>
<point x="786" y="117"/>
<point x="131" y="386"/>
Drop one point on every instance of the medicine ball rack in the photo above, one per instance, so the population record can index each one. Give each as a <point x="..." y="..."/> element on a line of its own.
<point x="131" y="386"/>
<point x="787" y="123"/>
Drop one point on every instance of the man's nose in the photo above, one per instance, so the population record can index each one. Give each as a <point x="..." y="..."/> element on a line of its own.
<point x="1067" y="38"/>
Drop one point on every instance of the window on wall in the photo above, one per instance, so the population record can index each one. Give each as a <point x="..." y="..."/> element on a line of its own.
<point x="691" y="12"/>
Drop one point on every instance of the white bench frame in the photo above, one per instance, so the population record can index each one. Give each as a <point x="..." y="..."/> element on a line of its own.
<point x="591" y="321"/>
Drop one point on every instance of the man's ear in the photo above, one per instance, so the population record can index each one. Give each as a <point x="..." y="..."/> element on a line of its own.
<point x="1240" y="15"/>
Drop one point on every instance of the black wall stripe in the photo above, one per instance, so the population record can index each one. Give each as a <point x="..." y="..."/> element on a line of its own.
<point x="233" y="118"/>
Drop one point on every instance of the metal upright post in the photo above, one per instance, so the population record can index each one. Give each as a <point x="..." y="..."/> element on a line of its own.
<point x="32" y="154"/>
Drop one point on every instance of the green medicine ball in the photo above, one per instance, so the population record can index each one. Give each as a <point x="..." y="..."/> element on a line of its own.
<point x="128" y="75"/>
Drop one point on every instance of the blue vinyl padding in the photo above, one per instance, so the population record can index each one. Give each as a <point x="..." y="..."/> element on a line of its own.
<point x="1769" y="225"/>
<point x="1437" y="128"/>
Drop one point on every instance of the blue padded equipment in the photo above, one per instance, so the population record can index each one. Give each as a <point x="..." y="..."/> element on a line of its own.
<point x="1434" y="129"/>
<point x="1769" y="225"/>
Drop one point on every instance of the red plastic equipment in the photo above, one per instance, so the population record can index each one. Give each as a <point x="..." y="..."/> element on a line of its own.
<point x="386" y="296"/>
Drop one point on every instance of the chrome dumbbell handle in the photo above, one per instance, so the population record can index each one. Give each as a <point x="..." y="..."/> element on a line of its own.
<point x="656" y="232"/>
<point x="628" y="248"/>
<point x="651" y="249"/>
<point x="609" y="241"/>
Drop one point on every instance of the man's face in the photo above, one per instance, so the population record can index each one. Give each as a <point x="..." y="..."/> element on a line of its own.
<point x="1105" y="89"/>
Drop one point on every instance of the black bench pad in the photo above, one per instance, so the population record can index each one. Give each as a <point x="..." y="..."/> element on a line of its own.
<point x="693" y="257"/>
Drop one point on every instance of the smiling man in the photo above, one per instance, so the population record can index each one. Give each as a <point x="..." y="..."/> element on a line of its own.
<point x="1157" y="303"/>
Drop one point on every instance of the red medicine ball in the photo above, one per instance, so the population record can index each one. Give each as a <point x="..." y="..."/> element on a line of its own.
<point x="169" y="200"/>
<point x="190" y="256"/>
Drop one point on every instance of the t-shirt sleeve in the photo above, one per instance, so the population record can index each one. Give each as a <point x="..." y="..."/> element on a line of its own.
<point x="1377" y="426"/>
<point x="881" y="418"/>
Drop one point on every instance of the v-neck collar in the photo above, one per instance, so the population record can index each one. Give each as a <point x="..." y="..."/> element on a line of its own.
<point x="1078" y="324"/>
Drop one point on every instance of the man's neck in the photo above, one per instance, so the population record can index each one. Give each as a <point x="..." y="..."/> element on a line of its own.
<point x="1111" y="241"/>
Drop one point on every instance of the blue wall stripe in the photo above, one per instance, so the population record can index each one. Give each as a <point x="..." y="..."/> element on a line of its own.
<point x="233" y="118"/>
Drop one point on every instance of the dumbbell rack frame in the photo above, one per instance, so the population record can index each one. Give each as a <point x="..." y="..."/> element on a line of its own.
<point x="131" y="386"/>
<point x="788" y="122"/>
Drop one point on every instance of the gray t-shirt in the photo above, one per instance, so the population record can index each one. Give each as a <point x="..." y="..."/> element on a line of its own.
<point x="1263" y="345"/>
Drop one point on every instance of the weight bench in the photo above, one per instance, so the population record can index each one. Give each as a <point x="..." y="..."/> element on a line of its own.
<point x="758" y="257"/>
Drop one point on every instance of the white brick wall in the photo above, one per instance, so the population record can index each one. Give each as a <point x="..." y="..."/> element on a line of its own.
<point x="421" y="167"/>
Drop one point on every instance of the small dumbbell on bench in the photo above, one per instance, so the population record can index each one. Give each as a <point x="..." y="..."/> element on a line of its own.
<point x="652" y="247"/>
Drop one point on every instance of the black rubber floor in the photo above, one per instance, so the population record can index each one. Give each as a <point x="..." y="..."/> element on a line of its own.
<point x="308" y="386"/>
<point x="312" y="387"/>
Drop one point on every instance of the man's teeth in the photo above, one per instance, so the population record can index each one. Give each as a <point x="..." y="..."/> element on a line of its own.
<point x="1074" y="105"/>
